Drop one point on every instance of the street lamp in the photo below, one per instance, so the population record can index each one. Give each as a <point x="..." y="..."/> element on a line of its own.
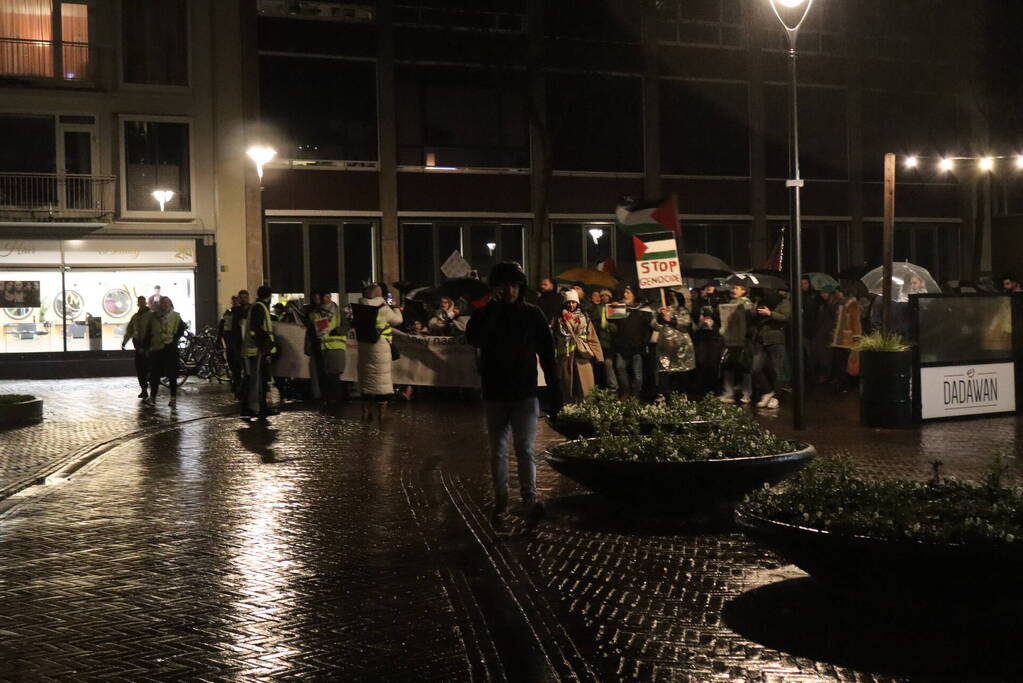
<point x="162" y="197"/>
<point x="261" y="156"/>
<point x="792" y="11"/>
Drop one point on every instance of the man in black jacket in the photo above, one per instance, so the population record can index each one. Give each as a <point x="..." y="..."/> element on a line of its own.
<point x="550" y="300"/>
<point x="510" y="335"/>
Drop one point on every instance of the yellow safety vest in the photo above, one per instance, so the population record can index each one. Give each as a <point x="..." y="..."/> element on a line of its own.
<point x="330" y="341"/>
<point x="251" y="347"/>
<point x="384" y="328"/>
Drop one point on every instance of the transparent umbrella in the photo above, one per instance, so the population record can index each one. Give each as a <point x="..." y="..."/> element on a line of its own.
<point x="907" y="279"/>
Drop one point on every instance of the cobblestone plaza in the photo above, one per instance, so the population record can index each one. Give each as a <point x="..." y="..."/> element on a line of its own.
<point x="191" y="546"/>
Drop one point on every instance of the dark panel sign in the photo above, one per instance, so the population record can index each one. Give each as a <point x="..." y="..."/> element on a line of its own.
<point x="19" y="293"/>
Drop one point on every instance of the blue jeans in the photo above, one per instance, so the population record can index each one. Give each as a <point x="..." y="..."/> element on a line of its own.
<point x="518" y="417"/>
<point x="630" y="373"/>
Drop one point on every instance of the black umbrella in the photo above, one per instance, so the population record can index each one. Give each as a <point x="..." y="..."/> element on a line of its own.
<point x="761" y="281"/>
<point x="468" y="288"/>
<point x="696" y="264"/>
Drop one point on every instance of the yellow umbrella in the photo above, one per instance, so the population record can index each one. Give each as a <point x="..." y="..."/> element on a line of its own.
<point x="588" y="276"/>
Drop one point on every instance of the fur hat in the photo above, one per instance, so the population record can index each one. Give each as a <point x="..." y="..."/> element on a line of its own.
<point x="571" y="295"/>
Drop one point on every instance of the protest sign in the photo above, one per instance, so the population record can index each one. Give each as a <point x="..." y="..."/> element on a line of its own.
<point x="657" y="263"/>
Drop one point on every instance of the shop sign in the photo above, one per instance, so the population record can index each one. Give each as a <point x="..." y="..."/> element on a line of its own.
<point x="955" y="390"/>
<point x="19" y="293"/>
<point x="17" y="252"/>
<point x="139" y="252"/>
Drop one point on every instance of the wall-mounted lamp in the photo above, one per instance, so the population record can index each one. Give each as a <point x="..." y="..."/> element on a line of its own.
<point x="163" y="196"/>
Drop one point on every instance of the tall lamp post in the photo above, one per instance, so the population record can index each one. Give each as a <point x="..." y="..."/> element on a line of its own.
<point x="262" y="155"/>
<point x="792" y="14"/>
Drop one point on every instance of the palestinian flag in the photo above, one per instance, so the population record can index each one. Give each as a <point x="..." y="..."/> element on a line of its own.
<point x="655" y="245"/>
<point x="640" y="217"/>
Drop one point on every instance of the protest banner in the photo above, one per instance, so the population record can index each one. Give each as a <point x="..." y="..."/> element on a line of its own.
<point x="291" y="358"/>
<point x="657" y="263"/>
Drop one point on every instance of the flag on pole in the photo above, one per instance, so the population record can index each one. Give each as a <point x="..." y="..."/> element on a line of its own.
<point x="776" y="258"/>
<point x="655" y="245"/>
<point x="640" y="217"/>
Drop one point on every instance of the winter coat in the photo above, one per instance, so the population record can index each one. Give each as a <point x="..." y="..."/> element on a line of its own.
<point x="675" y="351"/>
<point x="374" y="369"/>
<point x="510" y="337"/>
<point x="771" y="329"/>
<point x="847" y="325"/>
<point x="632" y="333"/>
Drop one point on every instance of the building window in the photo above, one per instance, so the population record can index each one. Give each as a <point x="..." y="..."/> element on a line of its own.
<point x="708" y="133"/>
<point x="822" y="137"/>
<point x="425" y="246"/>
<point x="28" y="144"/>
<point x="615" y="21"/>
<point x="588" y="135"/>
<point x="44" y="39"/>
<point x="453" y="117"/>
<point x="705" y="22"/>
<point x="156" y="155"/>
<point x="730" y="242"/>
<point x="312" y="256"/>
<point x="506" y="16"/>
<point x="584" y="245"/>
<point x="154" y="40"/>
<point x="934" y="246"/>
<point x="300" y="98"/>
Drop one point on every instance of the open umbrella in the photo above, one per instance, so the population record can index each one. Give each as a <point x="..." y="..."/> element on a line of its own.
<point x="820" y="280"/>
<point x="757" y="280"/>
<point x="468" y="288"/>
<point x="907" y="278"/>
<point x="589" y="276"/>
<point x="695" y="264"/>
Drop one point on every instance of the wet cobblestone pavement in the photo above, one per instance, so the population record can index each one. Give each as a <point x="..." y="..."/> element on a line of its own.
<point x="322" y="547"/>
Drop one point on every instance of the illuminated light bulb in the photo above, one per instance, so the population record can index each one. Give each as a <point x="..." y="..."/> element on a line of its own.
<point x="596" y="234"/>
<point x="163" y="196"/>
<point x="261" y="156"/>
<point x="911" y="162"/>
<point x="986" y="164"/>
<point x="791" y="3"/>
<point x="1019" y="162"/>
<point x="946" y="164"/>
<point x="491" y="246"/>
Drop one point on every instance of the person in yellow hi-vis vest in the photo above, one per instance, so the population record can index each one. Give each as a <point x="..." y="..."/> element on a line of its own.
<point x="326" y="321"/>
<point x="258" y="345"/>
<point x="166" y="328"/>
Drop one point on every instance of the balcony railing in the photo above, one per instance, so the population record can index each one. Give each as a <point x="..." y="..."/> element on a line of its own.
<point x="61" y="60"/>
<point x="56" y="195"/>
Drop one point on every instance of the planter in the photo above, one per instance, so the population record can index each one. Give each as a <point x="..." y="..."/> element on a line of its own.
<point x="680" y="486"/>
<point x="28" y="410"/>
<point x="583" y="429"/>
<point x="903" y="569"/>
<point x="886" y="382"/>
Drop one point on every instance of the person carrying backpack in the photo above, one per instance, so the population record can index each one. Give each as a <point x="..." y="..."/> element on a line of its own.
<point x="373" y="320"/>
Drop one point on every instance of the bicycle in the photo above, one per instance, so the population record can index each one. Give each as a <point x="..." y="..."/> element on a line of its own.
<point x="201" y="355"/>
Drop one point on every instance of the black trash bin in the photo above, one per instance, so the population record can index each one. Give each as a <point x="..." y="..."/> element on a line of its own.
<point x="886" y="389"/>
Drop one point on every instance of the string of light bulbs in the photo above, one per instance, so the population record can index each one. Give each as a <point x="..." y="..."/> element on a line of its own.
<point x="948" y="163"/>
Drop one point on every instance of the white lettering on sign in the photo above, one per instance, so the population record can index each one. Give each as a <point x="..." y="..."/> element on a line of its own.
<point x="967" y="390"/>
<point x="659" y="273"/>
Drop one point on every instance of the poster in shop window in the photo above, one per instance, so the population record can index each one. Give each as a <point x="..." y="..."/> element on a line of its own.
<point x="19" y="293"/>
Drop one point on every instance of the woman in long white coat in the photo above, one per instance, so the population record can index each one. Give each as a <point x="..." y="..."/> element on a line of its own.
<point x="375" y="353"/>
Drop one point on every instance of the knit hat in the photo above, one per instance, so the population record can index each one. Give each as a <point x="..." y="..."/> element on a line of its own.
<point x="571" y="295"/>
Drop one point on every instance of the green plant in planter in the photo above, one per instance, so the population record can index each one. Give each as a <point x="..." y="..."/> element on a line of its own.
<point x="737" y="436"/>
<point x="878" y="340"/>
<point x="610" y="414"/>
<point x="829" y="495"/>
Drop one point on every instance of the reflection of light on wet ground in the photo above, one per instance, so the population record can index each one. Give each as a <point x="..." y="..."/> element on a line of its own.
<point x="259" y="586"/>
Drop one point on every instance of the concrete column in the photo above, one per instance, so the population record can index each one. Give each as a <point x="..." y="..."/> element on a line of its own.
<point x="854" y="140"/>
<point x="651" y="107"/>
<point x="757" y="155"/>
<point x="235" y="98"/>
<point x="538" y="236"/>
<point x="388" y="145"/>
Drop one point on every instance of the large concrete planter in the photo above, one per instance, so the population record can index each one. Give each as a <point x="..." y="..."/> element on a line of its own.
<point x="680" y="486"/>
<point x="28" y="410"/>
<point x="902" y="569"/>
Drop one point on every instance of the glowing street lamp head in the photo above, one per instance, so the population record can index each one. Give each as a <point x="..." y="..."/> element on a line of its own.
<point x="986" y="163"/>
<point x="790" y="3"/>
<point x="596" y="234"/>
<point x="946" y="164"/>
<point x="162" y="197"/>
<point x="911" y="162"/>
<point x="1019" y="161"/>
<point x="261" y="156"/>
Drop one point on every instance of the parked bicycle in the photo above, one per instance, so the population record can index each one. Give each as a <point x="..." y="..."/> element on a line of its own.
<point x="201" y="355"/>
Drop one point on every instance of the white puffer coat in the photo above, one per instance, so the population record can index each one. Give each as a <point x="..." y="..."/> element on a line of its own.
<point x="375" y="359"/>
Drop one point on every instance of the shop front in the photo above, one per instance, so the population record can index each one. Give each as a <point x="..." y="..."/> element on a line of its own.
<point x="70" y="300"/>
